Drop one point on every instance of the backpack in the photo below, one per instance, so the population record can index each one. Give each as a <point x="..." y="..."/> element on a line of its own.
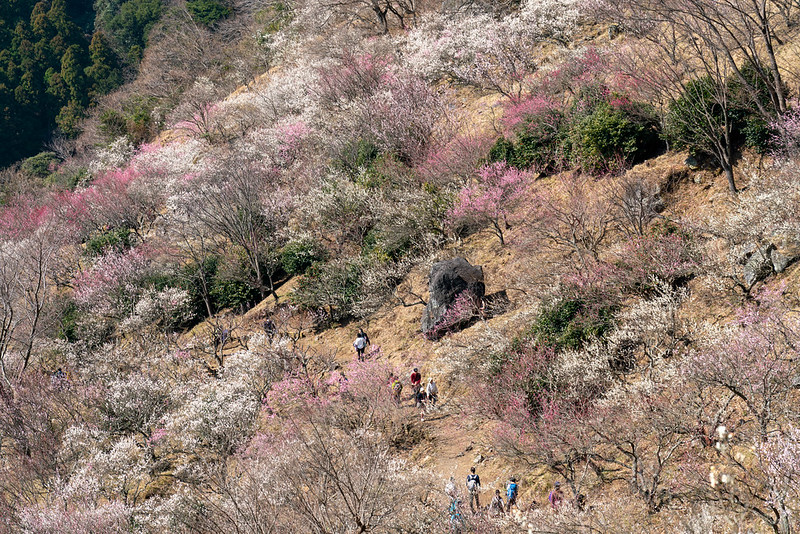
<point x="397" y="387"/>
<point x="472" y="485"/>
<point x="512" y="490"/>
<point x="360" y="342"/>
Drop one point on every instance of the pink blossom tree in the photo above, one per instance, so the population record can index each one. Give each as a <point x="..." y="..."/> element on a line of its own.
<point x="491" y="198"/>
<point x="112" y="286"/>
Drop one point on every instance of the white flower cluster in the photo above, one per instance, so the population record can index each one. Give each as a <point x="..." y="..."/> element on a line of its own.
<point x="218" y="418"/>
<point x="480" y="50"/>
<point x="112" y="157"/>
<point x="166" y="308"/>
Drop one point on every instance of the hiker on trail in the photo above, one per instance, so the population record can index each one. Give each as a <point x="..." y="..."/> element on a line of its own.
<point x="432" y="392"/>
<point x="456" y="520"/>
<point x="59" y="378"/>
<point x="512" y="488"/>
<point x="270" y="329"/>
<point x="556" y="496"/>
<point x="473" y="487"/>
<point x="450" y="488"/>
<point x="361" y="343"/>
<point x="496" y="506"/>
<point x="416" y="381"/>
<point x="397" y="388"/>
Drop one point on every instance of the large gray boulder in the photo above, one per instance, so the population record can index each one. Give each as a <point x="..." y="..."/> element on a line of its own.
<point x="448" y="279"/>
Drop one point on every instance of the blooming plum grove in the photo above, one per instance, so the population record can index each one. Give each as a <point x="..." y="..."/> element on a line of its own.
<point x="138" y="392"/>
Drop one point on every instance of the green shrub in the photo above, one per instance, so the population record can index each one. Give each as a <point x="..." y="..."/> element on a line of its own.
<point x="387" y="245"/>
<point x="136" y="120"/>
<point x="115" y="239"/>
<point x="757" y="134"/>
<point x="601" y="132"/>
<point x="697" y="110"/>
<point x="299" y="255"/>
<point x="207" y="11"/>
<point x="334" y="287"/>
<point x="67" y="177"/>
<point x="191" y="276"/>
<point x="68" y="323"/>
<point x="357" y="156"/>
<point x="568" y="324"/>
<point x="41" y="165"/>
<point x="232" y="293"/>
<point x="608" y="138"/>
<point x="538" y="142"/>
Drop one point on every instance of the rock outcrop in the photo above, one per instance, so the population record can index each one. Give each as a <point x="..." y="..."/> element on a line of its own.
<point x="448" y="280"/>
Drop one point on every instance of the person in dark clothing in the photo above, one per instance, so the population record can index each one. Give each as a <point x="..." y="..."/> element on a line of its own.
<point x="270" y="329"/>
<point x="473" y="487"/>
<point x="360" y="344"/>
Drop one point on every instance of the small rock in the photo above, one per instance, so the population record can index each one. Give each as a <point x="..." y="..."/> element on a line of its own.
<point x="692" y="163"/>
<point x="469" y="448"/>
<point x="759" y="265"/>
<point x="478" y="459"/>
<point x="779" y="261"/>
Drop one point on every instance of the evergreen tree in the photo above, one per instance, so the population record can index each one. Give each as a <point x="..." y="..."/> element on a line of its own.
<point x="104" y="72"/>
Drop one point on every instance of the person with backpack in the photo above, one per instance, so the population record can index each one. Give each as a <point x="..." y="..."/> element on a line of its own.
<point x="512" y="488"/>
<point x="397" y="389"/>
<point x="556" y="496"/>
<point x="473" y="487"/>
<point x="496" y="506"/>
<point x="360" y="344"/>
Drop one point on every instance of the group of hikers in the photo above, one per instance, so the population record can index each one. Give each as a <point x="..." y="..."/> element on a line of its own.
<point x="423" y="398"/>
<point x="496" y="508"/>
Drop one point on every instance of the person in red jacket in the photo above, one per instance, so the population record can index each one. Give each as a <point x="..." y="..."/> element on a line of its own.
<point x="416" y="381"/>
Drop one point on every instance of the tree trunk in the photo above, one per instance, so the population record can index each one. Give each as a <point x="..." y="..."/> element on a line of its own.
<point x="728" y="168"/>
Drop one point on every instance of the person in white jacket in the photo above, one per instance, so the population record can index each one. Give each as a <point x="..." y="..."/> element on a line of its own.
<point x="432" y="392"/>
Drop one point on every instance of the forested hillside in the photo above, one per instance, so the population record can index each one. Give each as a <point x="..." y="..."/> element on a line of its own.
<point x="253" y="218"/>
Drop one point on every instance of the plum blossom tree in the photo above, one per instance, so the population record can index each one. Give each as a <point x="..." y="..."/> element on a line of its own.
<point x="564" y="215"/>
<point x="491" y="199"/>
<point x="754" y="361"/>
<point x="377" y="13"/>
<point x="740" y="33"/>
<point x="112" y="286"/>
<point x="30" y="241"/>
<point x="242" y="203"/>
<point x="476" y="49"/>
